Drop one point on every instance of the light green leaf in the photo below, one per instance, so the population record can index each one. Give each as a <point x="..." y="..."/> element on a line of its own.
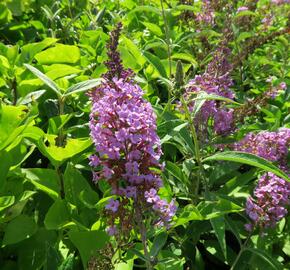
<point x="33" y="132"/>
<point x="150" y="9"/>
<point x="11" y="117"/>
<point x="246" y="13"/>
<point x="189" y="213"/>
<point x="28" y="51"/>
<point x="249" y="159"/>
<point x="128" y="265"/>
<point x="61" y="53"/>
<point x="4" y="65"/>
<point x="134" y="50"/>
<point x="6" y="201"/>
<point x="57" y="154"/>
<point x="56" y="71"/>
<point x="154" y="28"/>
<point x="186" y="57"/>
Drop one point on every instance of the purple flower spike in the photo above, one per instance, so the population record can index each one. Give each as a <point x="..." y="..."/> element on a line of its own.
<point x="123" y="130"/>
<point x="272" y="197"/>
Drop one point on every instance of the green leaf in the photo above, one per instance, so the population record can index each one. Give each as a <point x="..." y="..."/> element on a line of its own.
<point x="134" y="50"/>
<point x="4" y="65"/>
<point x="68" y="54"/>
<point x="249" y="159"/>
<point x="139" y="254"/>
<point x="20" y="228"/>
<point x="6" y="201"/>
<point x="233" y="228"/>
<point x="204" y="95"/>
<point x="177" y="172"/>
<point x="189" y="213"/>
<point x="271" y="263"/>
<point x="57" y="216"/>
<point x="128" y="265"/>
<point x="68" y="263"/>
<point x="35" y="252"/>
<point x="244" y="35"/>
<point x="6" y="162"/>
<point x="246" y="13"/>
<point x="75" y="186"/>
<point x="156" y="63"/>
<point x="45" y="180"/>
<point x="57" y="71"/>
<point x="56" y="154"/>
<point x="154" y="28"/>
<point x="83" y="86"/>
<point x="28" y="51"/>
<point x="51" y="84"/>
<point x="31" y="97"/>
<point x="186" y="57"/>
<point x="218" y="207"/>
<point x="186" y="7"/>
<point x="158" y="243"/>
<point x="33" y="132"/>
<point x="218" y="225"/>
<point x="88" y="243"/>
<point x="11" y="117"/>
<point x="150" y="9"/>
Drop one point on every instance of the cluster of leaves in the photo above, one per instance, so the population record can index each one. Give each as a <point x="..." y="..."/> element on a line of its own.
<point x="51" y="52"/>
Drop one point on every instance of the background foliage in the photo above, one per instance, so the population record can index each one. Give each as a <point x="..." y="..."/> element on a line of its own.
<point x="52" y="52"/>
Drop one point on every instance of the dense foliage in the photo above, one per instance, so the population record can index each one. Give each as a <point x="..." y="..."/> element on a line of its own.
<point x="144" y="134"/>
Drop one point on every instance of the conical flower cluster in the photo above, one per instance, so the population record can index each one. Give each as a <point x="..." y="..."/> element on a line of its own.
<point x="123" y="129"/>
<point x="216" y="80"/>
<point x="272" y="194"/>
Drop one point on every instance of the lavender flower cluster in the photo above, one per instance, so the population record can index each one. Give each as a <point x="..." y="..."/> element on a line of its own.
<point x="272" y="146"/>
<point x="280" y="2"/>
<point x="241" y="9"/>
<point x="215" y="81"/>
<point x="272" y="197"/>
<point x="123" y="129"/>
<point x="272" y="194"/>
<point x="207" y="15"/>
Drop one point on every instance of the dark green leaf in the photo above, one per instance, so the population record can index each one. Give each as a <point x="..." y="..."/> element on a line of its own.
<point x="20" y="228"/>
<point x="249" y="159"/>
<point x="88" y="242"/>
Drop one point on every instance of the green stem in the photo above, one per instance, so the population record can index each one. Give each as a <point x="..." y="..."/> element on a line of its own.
<point x="59" y="173"/>
<point x="60" y="138"/>
<point x="14" y="90"/>
<point x="196" y="147"/>
<point x="167" y="39"/>
<point x="142" y="229"/>
<point x="243" y="247"/>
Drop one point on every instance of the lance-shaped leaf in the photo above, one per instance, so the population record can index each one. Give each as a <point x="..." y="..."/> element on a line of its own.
<point x="249" y="159"/>
<point x="51" y="84"/>
<point x="83" y="86"/>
